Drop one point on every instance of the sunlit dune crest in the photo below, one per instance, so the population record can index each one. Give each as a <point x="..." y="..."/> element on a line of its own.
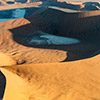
<point x="12" y="91"/>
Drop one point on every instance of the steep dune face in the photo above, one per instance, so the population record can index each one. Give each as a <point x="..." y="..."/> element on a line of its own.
<point x="16" y="34"/>
<point x="23" y="54"/>
<point x="83" y="25"/>
<point x="65" y="24"/>
<point x="73" y="5"/>
<point x="61" y="81"/>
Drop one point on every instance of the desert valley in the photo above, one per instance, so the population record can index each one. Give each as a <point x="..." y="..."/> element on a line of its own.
<point x="49" y="49"/>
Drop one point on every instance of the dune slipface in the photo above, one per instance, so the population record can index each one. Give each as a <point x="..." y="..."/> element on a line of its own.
<point x="2" y="85"/>
<point x="82" y="25"/>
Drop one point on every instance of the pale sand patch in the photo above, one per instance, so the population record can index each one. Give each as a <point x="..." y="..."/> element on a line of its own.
<point x="6" y="60"/>
<point x="15" y="87"/>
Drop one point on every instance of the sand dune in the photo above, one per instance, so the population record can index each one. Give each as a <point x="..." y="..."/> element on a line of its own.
<point x="20" y="5"/>
<point x="6" y="60"/>
<point x="15" y="87"/>
<point x="73" y="5"/>
<point x="16" y="35"/>
<point x="59" y="81"/>
<point x="50" y="71"/>
<point x="67" y="24"/>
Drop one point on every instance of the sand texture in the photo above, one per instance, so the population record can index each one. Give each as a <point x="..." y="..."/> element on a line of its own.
<point x="53" y="53"/>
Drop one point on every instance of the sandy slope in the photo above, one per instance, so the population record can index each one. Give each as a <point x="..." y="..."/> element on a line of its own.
<point x="51" y="21"/>
<point x="6" y="60"/>
<point x="79" y="80"/>
<point x="15" y="87"/>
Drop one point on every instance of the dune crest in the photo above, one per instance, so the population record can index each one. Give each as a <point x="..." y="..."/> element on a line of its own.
<point x="15" y="87"/>
<point x="61" y="81"/>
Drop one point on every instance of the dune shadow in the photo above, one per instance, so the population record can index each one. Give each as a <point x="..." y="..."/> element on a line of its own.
<point x="86" y="48"/>
<point x="76" y="51"/>
<point x="2" y="85"/>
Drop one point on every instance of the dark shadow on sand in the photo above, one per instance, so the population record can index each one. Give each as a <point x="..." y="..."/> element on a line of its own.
<point x="2" y="84"/>
<point x="77" y="51"/>
<point x="88" y="48"/>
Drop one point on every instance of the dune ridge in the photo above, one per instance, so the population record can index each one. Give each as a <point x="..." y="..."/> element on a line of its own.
<point x="15" y="86"/>
<point x="13" y="33"/>
<point x="61" y="81"/>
